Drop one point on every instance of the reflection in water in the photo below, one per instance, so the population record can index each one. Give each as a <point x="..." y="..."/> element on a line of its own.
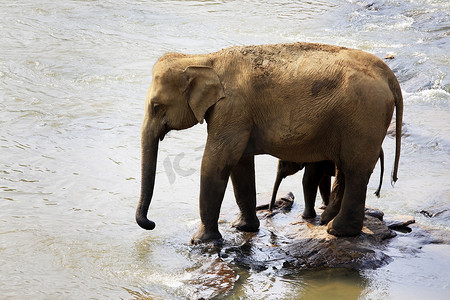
<point x="330" y="284"/>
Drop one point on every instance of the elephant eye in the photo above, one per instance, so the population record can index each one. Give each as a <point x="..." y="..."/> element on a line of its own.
<point x="156" y="108"/>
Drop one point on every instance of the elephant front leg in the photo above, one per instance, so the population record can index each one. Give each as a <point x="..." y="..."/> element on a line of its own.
<point x="212" y="190"/>
<point x="215" y="172"/>
<point x="243" y="179"/>
<point x="219" y="159"/>
<point x="349" y="220"/>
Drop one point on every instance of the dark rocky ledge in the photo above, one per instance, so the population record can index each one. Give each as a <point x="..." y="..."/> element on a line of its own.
<point x="286" y="245"/>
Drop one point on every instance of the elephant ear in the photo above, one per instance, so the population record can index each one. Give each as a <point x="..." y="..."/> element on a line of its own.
<point x="204" y="89"/>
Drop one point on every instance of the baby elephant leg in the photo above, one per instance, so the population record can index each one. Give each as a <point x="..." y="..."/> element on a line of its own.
<point x="311" y="179"/>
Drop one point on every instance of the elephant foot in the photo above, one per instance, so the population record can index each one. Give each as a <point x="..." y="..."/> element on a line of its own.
<point x="309" y="214"/>
<point x="328" y="215"/>
<point x="246" y="224"/>
<point x="202" y="235"/>
<point x="338" y="227"/>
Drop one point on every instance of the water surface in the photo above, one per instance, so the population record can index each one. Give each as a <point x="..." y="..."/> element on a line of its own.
<point x="73" y="77"/>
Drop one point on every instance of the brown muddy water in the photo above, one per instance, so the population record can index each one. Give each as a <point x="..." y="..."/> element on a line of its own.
<point x="73" y="77"/>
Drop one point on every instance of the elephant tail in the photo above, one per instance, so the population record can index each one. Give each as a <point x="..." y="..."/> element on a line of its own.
<point x="396" y="90"/>
<point x="377" y="192"/>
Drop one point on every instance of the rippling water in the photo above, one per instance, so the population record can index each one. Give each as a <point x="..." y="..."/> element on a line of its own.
<point x="73" y="76"/>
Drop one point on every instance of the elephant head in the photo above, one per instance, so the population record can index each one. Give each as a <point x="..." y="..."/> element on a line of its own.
<point x="178" y="98"/>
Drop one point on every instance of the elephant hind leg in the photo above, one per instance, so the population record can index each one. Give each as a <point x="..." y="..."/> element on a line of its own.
<point x="349" y="220"/>
<point x="337" y="193"/>
<point x="243" y="179"/>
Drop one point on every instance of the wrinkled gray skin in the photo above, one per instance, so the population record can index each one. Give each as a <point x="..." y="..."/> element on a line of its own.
<point x="299" y="102"/>
<point x="317" y="176"/>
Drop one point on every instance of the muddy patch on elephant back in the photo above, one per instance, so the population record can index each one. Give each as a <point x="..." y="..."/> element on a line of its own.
<point x="325" y="85"/>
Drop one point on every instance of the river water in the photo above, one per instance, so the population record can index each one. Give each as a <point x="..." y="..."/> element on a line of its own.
<point x="73" y="77"/>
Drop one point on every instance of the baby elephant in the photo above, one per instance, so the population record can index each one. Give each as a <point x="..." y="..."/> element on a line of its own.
<point x="317" y="175"/>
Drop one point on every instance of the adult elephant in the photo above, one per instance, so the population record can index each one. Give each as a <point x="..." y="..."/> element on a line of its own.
<point x="300" y="102"/>
<point x="317" y="176"/>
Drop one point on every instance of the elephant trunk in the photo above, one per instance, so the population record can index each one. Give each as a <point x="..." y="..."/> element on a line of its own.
<point x="148" y="172"/>
<point x="275" y="189"/>
<point x="285" y="168"/>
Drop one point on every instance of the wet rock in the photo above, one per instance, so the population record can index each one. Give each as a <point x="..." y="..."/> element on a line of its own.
<point x="215" y="279"/>
<point x="376" y="213"/>
<point x="282" y="204"/>
<point x="313" y="247"/>
<point x="308" y="245"/>
<point x="426" y="213"/>
<point x="370" y="5"/>
<point x="283" y="246"/>
<point x="431" y="214"/>
<point x="399" y="222"/>
<point x="247" y="257"/>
